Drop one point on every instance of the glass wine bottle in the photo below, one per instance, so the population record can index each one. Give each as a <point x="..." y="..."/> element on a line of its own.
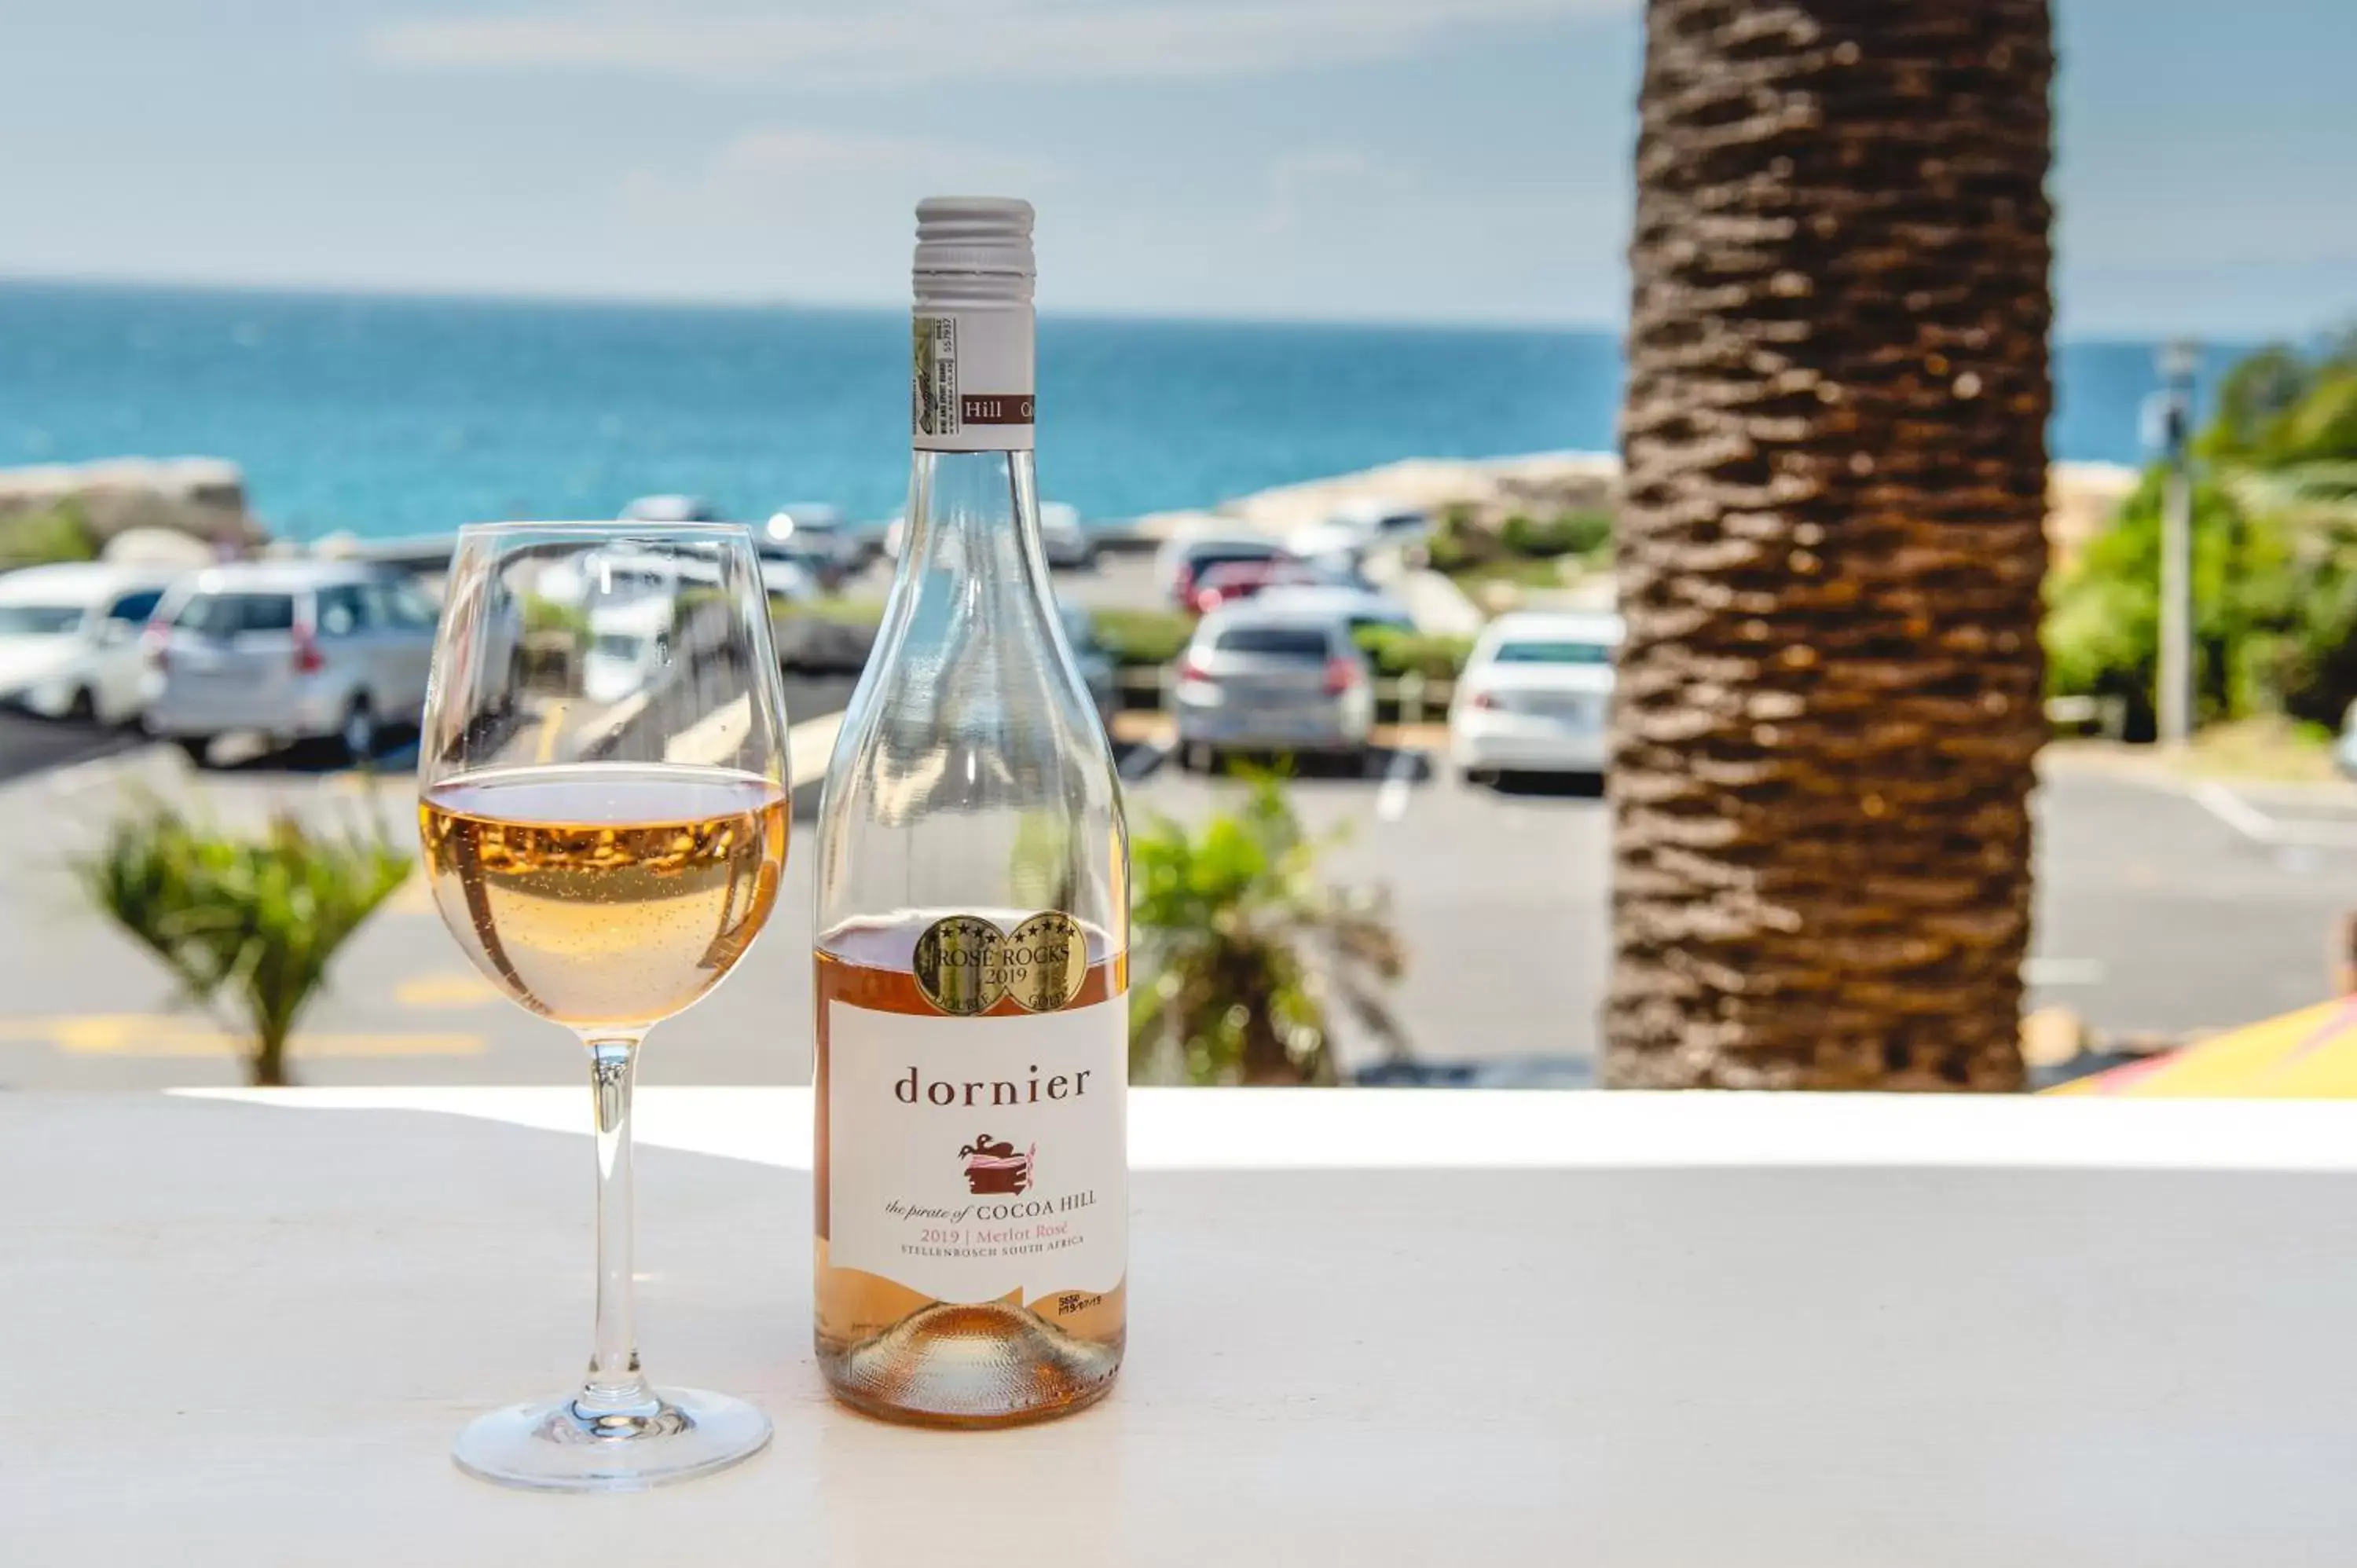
<point x="972" y="902"/>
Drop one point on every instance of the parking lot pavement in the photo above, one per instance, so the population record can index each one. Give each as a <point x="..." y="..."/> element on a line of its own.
<point x="31" y="746"/>
<point x="2158" y="911"/>
<point x="2158" y="914"/>
<point x="1499" y="895"/>
<point x="82" y="1006"/>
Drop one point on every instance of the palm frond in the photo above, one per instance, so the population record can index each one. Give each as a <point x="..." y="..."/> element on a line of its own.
<point x="1238" y="936"/>
<point x="2316" y="493"/>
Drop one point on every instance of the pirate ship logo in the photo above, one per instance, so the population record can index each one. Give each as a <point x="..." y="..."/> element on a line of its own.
<point x="996" y="1168"/>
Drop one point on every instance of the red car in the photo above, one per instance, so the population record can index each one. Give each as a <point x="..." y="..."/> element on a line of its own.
<point x="1230" y="582"/>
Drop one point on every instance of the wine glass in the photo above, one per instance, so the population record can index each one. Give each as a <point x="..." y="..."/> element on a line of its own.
<point x="603" y="804"/>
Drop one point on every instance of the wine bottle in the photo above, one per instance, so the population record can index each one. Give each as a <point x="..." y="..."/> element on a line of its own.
<point x="973" y="912"/>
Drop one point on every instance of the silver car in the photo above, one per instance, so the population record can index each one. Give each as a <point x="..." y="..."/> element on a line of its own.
<point x="296" y="651"/>
<point x="1258" y="679"/>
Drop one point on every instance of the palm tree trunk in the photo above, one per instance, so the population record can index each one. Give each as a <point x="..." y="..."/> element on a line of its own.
<point x="1832" y="544"/>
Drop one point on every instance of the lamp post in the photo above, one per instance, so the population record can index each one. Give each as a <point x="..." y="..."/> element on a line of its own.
<point x="2173" y="703"/>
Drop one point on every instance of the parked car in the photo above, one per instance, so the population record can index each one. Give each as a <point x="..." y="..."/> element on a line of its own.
<point x="789" y="581"/>
<point x="1346" y="538"/>
<point x="1233" y="582"/>
<point x="1180" y="566"/>
<point x="1357" y="607"/>
<point x="296" y="650"/>
<point x="813" y="538"/>
<point x="1260" y="680"/>
<point x="672" y="508"/>
<point x="1095" y="664"/>
<point x="618" y="573"/>
<point x="1062" y="539"/>
<point x="69" y="639"/>
<point x="629" y="643"/>
<point x="1536" y="697"/>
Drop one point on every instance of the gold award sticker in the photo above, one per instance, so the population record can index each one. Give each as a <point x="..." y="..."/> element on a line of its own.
<point x="961" y="964"/>
<point x="1047" y="958"/>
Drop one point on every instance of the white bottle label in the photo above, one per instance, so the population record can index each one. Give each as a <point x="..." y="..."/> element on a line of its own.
<point x="973" y="1159"/>
<point x="972" y="380"/>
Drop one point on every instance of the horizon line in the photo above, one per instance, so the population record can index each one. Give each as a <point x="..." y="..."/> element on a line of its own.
<point x="485" y="294"/>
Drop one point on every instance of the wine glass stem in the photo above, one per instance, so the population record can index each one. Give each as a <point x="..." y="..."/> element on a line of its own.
<point x="614" y="1385"/>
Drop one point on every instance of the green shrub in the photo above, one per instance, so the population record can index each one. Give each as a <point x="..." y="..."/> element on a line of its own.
<point x="2268" y="632"/>
<point x="839" y="611"/>
<point x="1395" y="652"/>
<point x="1449" y="554"/>
<point x="247" y="924"/>
<point x="548" y="618"/>
<point x="40" y="538"/>
<point x="1572" y="533"/>
<point x="2274" y="558"/>
<point x="825" y="636"/>
<point x="1459" y="542"/>
<point x="1242" y="950"/>
<point x="1142" y="636"/>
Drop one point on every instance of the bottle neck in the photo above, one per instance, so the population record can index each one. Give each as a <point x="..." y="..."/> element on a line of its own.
<point x="971" y="367"/>
<point x="972" y="513"/>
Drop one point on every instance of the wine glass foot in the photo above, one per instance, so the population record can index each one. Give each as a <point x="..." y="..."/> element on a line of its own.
<point x="557" y="1447"/>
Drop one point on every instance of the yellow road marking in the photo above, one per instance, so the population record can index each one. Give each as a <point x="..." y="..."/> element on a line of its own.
<point x="552" y="724"/>
<point x="165" y="1035"/>
<point x="459" y="988"/>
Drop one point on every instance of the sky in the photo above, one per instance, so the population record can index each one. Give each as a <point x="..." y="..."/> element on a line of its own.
<point x="1409" y="160"/>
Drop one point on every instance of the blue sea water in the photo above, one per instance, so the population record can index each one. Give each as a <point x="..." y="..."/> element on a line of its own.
<point x="387" y="415"/>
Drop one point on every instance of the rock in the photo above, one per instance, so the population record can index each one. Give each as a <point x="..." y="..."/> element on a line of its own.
<point x="163" y="547"/>
<point x="200" y="497"/>
<point x="2081" y="496"/>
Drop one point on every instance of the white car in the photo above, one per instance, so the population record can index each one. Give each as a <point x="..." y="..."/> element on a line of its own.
<point x="788" y="580"/>
<point x="672" y="508"/>
<point x="1356" y="608"/>
<point x="1062" y="539"/>
<point x="1536" y="696"/>
<point x="629" y="644"/>
<point x="1343" y="539"/>
<point x="69" y="639"/>
<point x="1180" y="564"/>
<point x="294" y="649"/>
<point x="813" y="537"/>
<point x="619" y="573"/>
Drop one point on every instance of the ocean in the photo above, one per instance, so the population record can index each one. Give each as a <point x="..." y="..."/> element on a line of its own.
<point x="385" y="416"/>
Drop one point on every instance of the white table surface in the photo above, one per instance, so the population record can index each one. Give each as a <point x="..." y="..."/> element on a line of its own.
<point x="1368" y="1327"/>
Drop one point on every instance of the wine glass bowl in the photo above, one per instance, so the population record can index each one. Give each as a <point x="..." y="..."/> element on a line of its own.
<point x="603" y="813"/>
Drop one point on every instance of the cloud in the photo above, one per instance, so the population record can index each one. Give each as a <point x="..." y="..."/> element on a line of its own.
<point x="741" y="217"/>
<point x="899" y="42"/>
<point x="793" y="155"/>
